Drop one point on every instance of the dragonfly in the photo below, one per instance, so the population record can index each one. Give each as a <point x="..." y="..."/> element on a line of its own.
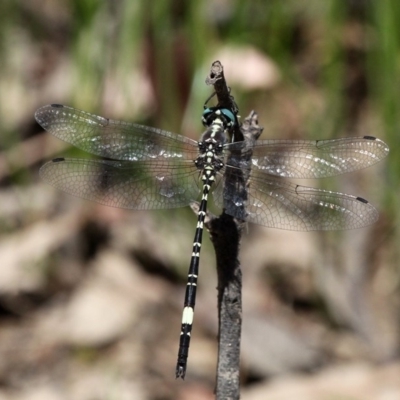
<point x="143" y="168"/>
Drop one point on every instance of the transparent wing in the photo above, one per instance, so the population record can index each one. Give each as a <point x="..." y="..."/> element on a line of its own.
<point x="140" y="185"/>
<point x="315" y="159"/>
<point x="113" y="139"/>
<point x="277" y="203"/>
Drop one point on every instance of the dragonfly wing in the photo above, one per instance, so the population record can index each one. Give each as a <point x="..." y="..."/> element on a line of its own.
<point x="315" y="159"/>
<point x="113" y="139"/>
<point x="140" y="185"/>
<point x="230" y="194"/>
<point x="277" y="203"/>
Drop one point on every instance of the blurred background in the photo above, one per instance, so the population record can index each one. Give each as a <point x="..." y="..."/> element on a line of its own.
<point x="91" y="297"/>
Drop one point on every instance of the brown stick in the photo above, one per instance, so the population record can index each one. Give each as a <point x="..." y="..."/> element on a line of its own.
<point x="225" y="232"/>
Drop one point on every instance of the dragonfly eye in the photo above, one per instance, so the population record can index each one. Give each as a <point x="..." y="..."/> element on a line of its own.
<point x="206" y="118"/>
<point x="230" y="117"/>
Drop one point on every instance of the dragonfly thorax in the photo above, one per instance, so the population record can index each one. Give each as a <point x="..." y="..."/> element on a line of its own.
<point x="210" y="149"/>
<point x="213" y="140"/>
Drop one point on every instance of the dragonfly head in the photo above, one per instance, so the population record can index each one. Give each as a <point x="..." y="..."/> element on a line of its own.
<point x="227" y="117"/>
